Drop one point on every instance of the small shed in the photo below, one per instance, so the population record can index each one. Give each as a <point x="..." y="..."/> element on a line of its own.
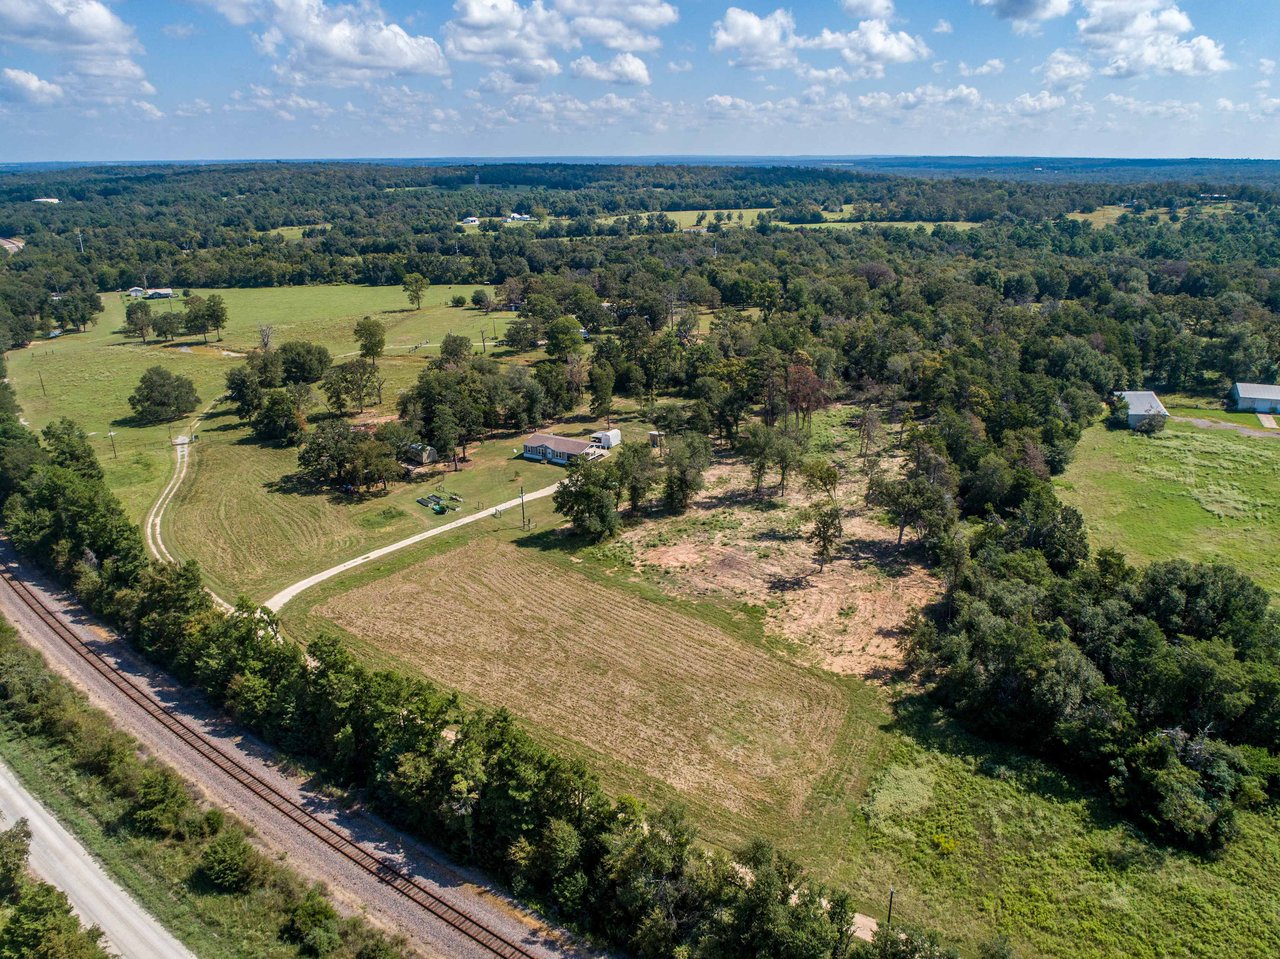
<point x="1256" y="397"/>
<point x="1143" y="406"/>
<point x="420" y="454"/>
<point x="137" y="291"/>
<point x="655" y="439"/>
<point x="606" y="439"/>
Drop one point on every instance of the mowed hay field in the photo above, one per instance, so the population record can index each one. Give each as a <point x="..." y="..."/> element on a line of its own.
<point x="1194" y="493"/>
<point x="89" y="376"/>
<point x="611" y="669"/>
<point x="677" y="700"/>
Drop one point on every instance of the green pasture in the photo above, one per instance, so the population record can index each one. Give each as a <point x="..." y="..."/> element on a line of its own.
<point x="1200" y="494"/>
<point x="89" y="376"/>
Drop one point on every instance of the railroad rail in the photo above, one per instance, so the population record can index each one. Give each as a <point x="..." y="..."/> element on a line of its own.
<point x="408" y="886"/>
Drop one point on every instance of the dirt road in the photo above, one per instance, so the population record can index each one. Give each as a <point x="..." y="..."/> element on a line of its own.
<point x="151" y="528"/>
<point x="354" y="890"/>
<point x="58" y="858"/>
<point x="277" y="602"/>
<point x="1222" y="425"/>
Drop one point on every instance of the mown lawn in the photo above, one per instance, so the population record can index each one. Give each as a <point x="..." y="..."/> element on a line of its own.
<point x="867" y="790"/>
<point x="1201" y="494"/>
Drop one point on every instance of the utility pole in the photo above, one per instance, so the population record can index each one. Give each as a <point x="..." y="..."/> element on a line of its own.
<point x="111" y="435"/>
<point x="524" y="522"/>
<point x="42" y="389"/>
<point x="889" y="922"/>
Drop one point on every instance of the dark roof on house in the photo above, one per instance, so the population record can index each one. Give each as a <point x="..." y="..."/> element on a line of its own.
<point x="561" y="444"/>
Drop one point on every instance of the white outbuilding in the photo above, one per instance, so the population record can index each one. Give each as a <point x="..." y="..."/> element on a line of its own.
<point x="1256" y="397"/>
<point x="1143" y="406"/>
<point x="606" y="439"/>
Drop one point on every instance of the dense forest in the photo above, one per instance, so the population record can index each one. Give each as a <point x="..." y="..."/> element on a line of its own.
<point x="992" y="348"/>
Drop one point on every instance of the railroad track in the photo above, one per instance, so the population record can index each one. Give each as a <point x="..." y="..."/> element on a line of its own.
<point x="384" y="871"/>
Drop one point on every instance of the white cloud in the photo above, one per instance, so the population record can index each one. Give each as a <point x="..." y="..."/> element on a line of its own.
<point x="990" y="68"/>
<point x="943" y="26"/>
<point x="198" y="107"/>
<point x="679" y="66"/>
<point x="871" y="46"/>
<point x="1027" y="104"/>
<point x="1063" y="69"/>
<point x="1266" y="66"/>
<point x="1138" y="37"/>
<point x="877" y="9"/>
<point x="316" y="42"/>
<point x="149" y="110"/>
<point x="771" y="43"/>
<point x="960" y="97"/>
<point x="624" y="69"/>
<point x="179" y="31"/>
<point x="562" y="113"/>
<point x="29" y="88"/>
<point x="282" y="106"/>
<point x="1165" y="109"/>
<point x="626" y="25"/>
<point x="521" y="40"/>
<point x="1027" y="14"/>
<point x="98" y="47"/>
<point x="755" y="42"/>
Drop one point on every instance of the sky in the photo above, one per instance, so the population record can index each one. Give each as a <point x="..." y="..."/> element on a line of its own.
<point x="223" y="79"/>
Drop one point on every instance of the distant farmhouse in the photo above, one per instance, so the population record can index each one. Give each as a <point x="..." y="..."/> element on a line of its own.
<point x="470" y="221"/>
<point x="1256" y="397"/>
<point x="160" y="293"/>
<point x="1144" y="406"/>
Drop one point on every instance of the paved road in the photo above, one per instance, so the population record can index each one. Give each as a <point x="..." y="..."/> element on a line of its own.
<point x="57" y="857"/>
<point x="277" y="602"/>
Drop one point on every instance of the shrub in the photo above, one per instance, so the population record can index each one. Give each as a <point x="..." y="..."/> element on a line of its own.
<point x="227" y="861"/>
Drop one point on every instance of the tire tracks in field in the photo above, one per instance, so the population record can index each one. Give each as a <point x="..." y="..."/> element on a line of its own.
<point x="152" y="527"/>
<point x="277" y="602"/>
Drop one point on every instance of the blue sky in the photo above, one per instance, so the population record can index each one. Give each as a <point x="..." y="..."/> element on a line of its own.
<point x="129" y="79"/>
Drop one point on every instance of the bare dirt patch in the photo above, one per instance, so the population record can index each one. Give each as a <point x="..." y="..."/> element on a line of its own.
<point x="847" y="618"/>
<point x="658" y="689"/>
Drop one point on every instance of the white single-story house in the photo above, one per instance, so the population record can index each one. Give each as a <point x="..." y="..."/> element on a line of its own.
<point x="162" y="293"/>
<point x="422" y="454"/>
<point x="1143" y="405"/>
<point x="136" y="292"/>
<point x="1256" y="397"/>
<point x="561" y="450"/>
<point x="470" y="221"/>
<point x="606" y="439"/>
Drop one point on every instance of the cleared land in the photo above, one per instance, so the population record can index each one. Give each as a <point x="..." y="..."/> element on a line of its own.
<point x="89" y="376"/>
<point x="698" y="688"/>
<point x="687" y="700"/>
<point x="1198" y="494"/>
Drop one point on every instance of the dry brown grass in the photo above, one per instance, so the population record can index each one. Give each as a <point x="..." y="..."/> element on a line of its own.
<point x="656" y="688"/>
